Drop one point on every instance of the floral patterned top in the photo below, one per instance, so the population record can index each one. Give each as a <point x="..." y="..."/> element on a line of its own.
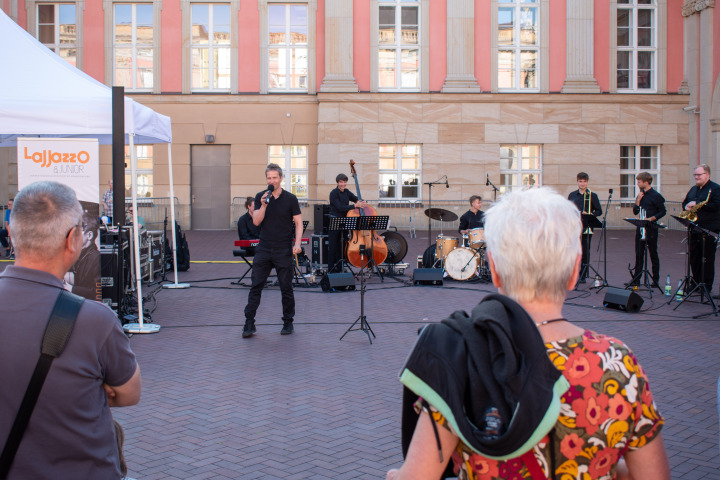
<point x="607" y="411"/>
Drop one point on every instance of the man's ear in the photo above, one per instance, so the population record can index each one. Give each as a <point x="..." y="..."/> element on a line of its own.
<point x="575" y="273"/>
<point x="497" y="281"/>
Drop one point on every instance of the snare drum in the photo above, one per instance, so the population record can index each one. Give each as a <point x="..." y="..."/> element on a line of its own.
<point x="477" y="237"/>
<point x="462" y="263"/>
<point x="445" y="245"/>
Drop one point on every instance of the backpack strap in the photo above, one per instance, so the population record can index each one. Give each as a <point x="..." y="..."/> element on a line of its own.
<point x="57" y="333"/>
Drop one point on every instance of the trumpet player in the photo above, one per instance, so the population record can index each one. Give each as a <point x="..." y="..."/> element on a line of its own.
<point x="650" y="205"/>
<point x="589" y="204"/>
<point x="708" y="217"/>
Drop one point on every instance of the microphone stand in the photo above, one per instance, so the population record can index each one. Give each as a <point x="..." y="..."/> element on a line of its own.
<point x="495" y="189"/>
<point x="604" y="242"/>
<point x="430" y="185"/>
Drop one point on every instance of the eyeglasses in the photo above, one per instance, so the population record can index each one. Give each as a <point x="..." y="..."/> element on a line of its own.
<point x="82" y="225"/>
<point x="699" y="174"/>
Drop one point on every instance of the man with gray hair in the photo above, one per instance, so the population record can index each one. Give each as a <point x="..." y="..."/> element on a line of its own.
<point x="70" y="433"/>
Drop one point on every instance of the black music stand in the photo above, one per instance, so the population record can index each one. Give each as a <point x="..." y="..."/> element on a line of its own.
<point x="588" y="221"/>
<point x="342" y="224"/>
<point x="704" y="292"/>
<point x="378" y="222"/>
<point x="647" y="280"/>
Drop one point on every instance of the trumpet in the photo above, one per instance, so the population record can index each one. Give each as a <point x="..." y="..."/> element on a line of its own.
<point x="587" y="208"/>
<point x="692" y="213"/>
<point x="642" y="216"/>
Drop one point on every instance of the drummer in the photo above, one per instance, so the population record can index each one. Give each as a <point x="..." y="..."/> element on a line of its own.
<point x="473" y="218"/>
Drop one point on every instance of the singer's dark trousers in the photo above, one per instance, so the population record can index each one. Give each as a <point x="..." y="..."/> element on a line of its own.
<point x="696" y="259"/>
<point x="265" y="260"/>
<point x="651" y="237"/>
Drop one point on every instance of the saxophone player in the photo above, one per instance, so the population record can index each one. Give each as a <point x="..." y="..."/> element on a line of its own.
<point x="589" y="204"/>
<point x="652" y="204"/>
<point x="707" y="218"/>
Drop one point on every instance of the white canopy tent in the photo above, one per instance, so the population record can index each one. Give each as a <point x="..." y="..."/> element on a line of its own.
<point x="42" y="95"/>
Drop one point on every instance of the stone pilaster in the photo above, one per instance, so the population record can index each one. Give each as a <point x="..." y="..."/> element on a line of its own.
<point x="339" y="47"/>
<point x="580" y="76"/>
<point x="460" y="48"/>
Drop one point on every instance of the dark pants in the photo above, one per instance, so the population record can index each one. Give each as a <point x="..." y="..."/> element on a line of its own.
<point x="335" y="250"/>
<point x="586" y="242"/>
<point x="265" y="260"/>
<point x="4" y="237"/>
<point x="651" y="238"/>
<point x="696" y="259"/>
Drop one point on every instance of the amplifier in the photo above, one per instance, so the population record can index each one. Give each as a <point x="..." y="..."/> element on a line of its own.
<point x="319" y="249"/>
<point x="321" y="219"/>
<point x="114" y="273"/>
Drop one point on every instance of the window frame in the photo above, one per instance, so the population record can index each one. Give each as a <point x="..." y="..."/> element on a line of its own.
<point x="398" y="171"/>
<point x="140" y="154"/>
<point x="519" y="171"/>
<point x="399" y="47"/>
<point x="134" y="46"/>
<point x="290" y="49"/>
<point x="517" y="48"/>
<point x="33" y="6"/>
<point x="634" y="49"/>
<point x="288" y="170"/>
<point x="655" y="172"/>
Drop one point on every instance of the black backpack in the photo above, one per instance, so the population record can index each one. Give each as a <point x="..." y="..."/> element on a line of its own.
<point x="183" y="251"/>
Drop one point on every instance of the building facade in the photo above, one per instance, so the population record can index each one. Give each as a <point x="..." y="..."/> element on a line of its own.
<point x="518" y="92"/>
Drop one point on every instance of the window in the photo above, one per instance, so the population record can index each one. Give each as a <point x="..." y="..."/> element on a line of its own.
<point x="294" y="162"/>
<point x="518" y="43"/>
<point x="636" y="45"/>
<point x="520" y="167"/>
<point x="633" y="160"/>
<point x="133" y="46"/>
<point x="288" y="47"/>
<point x="144" y="171"/>
<point x="400" y="165"/>
<point x="57" y="29"/>
<point x="399" y="45"/>
<point x="210" y="47"/>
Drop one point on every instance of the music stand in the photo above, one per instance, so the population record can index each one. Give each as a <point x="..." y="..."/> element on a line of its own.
<point x="704" y="292"/>
<point x="644" y="274"/>
<point x="588" y="221"/>
<point x="378" y="222"/>
<point x="342" y="224"/>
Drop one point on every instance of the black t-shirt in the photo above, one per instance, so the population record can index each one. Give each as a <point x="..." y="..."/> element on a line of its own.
<point x="470" y="220"/>
<point x="247" y="229"/>
<point x="340" y="202"/>
<point x="277" y="229"/>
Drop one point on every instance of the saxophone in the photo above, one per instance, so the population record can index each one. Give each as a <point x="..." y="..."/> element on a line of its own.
<point x="692" y="213"/>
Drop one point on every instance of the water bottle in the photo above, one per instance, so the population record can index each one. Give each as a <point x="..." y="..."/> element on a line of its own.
<point x="679" y="294"/>
<point x="668" y="287"/>
<point x="597" y="281"/>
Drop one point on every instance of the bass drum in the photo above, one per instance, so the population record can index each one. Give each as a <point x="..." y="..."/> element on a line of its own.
<point x="461" y="263"/>
<point x="428" y="259"/>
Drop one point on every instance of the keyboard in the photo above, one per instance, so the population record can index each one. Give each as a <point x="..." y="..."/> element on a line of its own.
<point x="255" y="242"/>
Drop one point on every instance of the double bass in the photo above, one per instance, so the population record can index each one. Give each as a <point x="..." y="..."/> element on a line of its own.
<point x="364" y="237"/>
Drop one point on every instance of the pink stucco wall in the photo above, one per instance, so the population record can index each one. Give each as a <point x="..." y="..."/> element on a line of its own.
<point x="674" y="45"/>
<point x="483" y="40"/>
<point x="361" y="44"/>
<point x="249" y="47"/>
<point x="601" y="41"/>
<point x="94" y="40"/>
<point x="558" y="41"/>
<point x="438" y="44"/>
<point x="171" y="47"/>
<point x="716" y="45"/>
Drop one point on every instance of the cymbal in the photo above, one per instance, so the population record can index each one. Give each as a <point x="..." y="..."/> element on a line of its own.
<point x="441" y="214"/>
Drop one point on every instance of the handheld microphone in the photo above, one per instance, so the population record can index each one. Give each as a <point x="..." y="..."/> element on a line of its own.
<point x="487" y="179"/>
<point x="270" y="189"/>
<point x="611" y="191"/>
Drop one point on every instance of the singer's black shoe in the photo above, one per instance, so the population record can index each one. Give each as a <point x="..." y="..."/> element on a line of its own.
<point x="287" y="328"/>
<point x="249" y="329"/>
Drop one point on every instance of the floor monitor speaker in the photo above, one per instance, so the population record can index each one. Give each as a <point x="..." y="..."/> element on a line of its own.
<point x="427" y="276"/>
<point x="625" y="300"/>
<point x="334" y="282"/>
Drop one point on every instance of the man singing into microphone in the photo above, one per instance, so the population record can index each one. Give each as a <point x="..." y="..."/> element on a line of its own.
<point x="274" y="210"/>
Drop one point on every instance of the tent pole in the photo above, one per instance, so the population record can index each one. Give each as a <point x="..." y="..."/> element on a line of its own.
<point x="172" y="217"/>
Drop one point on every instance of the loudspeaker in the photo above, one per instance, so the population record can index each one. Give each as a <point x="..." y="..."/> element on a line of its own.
<point x="333" y="282"/>
<point x="428" y="276"/>
<point x="322" y="219"/>
<point x="319" y="249"/>
<point x="625" y="300"/>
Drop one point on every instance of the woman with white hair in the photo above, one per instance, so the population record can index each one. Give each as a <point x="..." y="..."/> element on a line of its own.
<point x="608" y="426"/>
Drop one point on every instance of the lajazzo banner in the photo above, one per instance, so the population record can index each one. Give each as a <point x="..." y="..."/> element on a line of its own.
<point x="75" y="163"/>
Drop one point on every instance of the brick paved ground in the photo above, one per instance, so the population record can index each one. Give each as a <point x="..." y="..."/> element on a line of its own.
<point x="308" y="406"/>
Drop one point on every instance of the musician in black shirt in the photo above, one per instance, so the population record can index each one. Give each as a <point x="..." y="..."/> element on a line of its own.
<point x="653" y="205"/>
<point x="274" y="212"/>
<point x="707" y="218"/>
<point x="473" y="218"/>
<point x="589" y="204"/>
<point x="245" y="226"/>
<point x="340" y="199"/>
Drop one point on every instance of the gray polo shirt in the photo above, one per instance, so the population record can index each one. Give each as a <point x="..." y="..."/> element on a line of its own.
<point x="70" y="434"/>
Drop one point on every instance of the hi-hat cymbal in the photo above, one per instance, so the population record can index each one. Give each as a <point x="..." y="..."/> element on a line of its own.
<point x="441" y="214"/>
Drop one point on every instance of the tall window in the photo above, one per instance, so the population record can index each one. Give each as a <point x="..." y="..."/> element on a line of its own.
<point x="57" y="29"/>
<point x="399" y="170"/>
<point x="520" y="167"/>
<point x="288" y="47"/>
<point x="133" y="41"/>
<point x="144" y="171"/>
<point x="633" y="160"/>
<point x="518" y="43"/>
<point x="210" y="47"/>
<point x="294" y="162"/>
<point x="399" y="45"/>
<point x="636" y="45"/>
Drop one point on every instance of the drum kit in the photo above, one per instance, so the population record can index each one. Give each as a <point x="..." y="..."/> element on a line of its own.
<point x="460" y="261"/>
